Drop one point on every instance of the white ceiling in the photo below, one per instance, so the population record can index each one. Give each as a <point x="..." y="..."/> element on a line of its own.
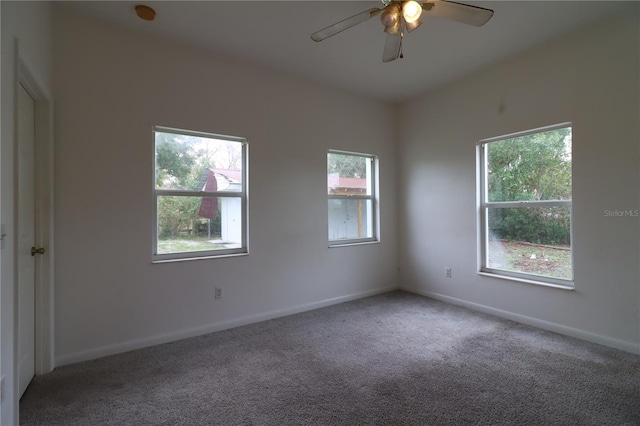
<point x="276" y="34"/>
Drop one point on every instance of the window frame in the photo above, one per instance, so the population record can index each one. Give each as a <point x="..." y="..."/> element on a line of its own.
<point x="373" y="197"/>
<point x="243" y="195"/>
<point x="483" y="206"/>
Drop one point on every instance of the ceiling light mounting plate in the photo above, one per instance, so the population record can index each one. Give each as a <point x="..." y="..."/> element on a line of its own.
<point x="145" y="12"/>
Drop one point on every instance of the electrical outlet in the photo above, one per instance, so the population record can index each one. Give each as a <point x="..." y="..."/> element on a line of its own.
<point x="3" y="233"/>
<point x="218" y="293"/>
<point x="447" y="272"/>
<point x="2" y="390"/>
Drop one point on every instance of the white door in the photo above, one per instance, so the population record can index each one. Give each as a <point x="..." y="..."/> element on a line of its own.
<point x="26" y="239"/>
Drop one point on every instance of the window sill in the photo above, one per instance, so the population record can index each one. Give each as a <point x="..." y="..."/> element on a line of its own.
<point x="353" y="243"/>
<point x="185" y="259"/>
<point x="527" y="281"/>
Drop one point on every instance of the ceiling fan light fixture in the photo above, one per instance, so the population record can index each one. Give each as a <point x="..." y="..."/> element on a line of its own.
<point x="394" y="29"/>
<point x="413" y="25"/>
<point x="411" y="10"/>
<point x="392" y="19"/>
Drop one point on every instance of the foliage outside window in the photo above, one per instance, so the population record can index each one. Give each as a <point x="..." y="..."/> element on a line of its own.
<point x="525" y="211"/>
<point x="200" y="191"/>
<point x="351" y="192"/>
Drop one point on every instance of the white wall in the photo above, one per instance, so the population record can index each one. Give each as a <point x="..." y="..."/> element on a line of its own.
<point x="111" y="87"/>
<point x="589" y="78"/>
<point x="28" y="24"/>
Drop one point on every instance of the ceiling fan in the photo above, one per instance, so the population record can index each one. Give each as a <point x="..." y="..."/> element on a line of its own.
<point x="398" y="15"/>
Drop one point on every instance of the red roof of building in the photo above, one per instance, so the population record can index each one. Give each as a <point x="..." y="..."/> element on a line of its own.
<point x="233" y="174"/>
<point x="345" y="182"/>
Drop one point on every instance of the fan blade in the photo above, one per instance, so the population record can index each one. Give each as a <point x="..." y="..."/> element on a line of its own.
<point x="345" y="24"/>
<point x="392" y="48"/>
<point x="467" y="14"/>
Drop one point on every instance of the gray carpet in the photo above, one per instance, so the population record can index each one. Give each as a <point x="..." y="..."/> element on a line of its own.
<point x="391" y="359"/>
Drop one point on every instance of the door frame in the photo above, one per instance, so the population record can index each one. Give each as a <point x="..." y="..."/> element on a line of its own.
<point x="43" y="179"/>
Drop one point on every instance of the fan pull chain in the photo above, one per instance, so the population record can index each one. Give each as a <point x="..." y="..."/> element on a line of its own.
<point x="401" y="38"/>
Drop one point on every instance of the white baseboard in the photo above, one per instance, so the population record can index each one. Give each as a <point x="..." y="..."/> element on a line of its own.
<point x="116" y="348"/>
<point x="546" y="325"/>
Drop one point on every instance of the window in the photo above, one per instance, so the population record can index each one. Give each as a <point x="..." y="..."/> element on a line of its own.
<point x="351" y="180"/>
<point x="525" y="206"/>
<point x="200" y="195"/>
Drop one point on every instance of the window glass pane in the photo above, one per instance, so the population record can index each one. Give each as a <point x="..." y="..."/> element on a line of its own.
<point x="530" y="167"/>
<point x="533" y="240"/>
<point x="196" y="163"/>
<point x="191" y="224"/>
<point x="350" y="219"/>
<point x="348" y="174"/>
